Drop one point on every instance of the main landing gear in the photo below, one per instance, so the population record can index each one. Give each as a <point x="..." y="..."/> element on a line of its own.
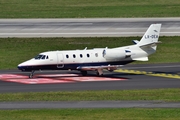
<point x="99" y="72"/>
<point x="31" y="74"/>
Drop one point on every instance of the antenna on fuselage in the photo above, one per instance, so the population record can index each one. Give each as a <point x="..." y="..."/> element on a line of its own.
<point x="85" y="48"/>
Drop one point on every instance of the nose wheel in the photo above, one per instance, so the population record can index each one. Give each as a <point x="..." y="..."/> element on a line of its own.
<point x="31" y="74"/>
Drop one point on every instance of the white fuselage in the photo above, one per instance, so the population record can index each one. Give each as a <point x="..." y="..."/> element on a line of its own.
<point x="74" y="59"/>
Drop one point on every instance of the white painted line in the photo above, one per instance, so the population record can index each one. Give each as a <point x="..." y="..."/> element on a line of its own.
<point x="57" y="75"/>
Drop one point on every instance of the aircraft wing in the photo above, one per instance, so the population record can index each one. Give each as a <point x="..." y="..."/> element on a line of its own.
<point x="108" y="67"/>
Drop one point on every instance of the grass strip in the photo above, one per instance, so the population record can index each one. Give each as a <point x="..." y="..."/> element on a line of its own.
<point x="151" y="94"/>
<point x="16" y="50"/>
<point x="92" y="114"/>
<point x="88" y="8"/>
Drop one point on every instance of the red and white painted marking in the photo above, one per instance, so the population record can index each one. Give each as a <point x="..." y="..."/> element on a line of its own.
<point x="53" y="78"/>
<point x="8" y="76"/>
<point x="38" y="81"/>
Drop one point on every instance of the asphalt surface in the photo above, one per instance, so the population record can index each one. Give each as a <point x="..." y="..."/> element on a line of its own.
<point x="89" y="104"/>
<point x="164" y="76"/>
<point x="94" y="27"/>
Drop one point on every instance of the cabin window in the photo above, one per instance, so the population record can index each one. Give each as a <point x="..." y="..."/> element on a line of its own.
<point x="88" y="55"/>
<point x="74" y="56"/>
<point x="96" y="54"/>
<point x="81" y="55"/>
<point x="43" y="57"/>
<point x="38" y="57"/>
<point x="67" y="56"/>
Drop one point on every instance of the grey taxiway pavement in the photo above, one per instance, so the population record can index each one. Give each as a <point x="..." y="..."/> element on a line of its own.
<point x="91" y="27"/>
<point x="134" y="81"/>
<point x="89" y="104"/>
<point x="164" y="76"/>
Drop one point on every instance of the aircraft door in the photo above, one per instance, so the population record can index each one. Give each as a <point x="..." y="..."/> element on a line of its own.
<point x="60" y="60"/>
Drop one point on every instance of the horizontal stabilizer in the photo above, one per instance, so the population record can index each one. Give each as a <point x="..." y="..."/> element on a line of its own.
<point x="151" y="44"/>
<point x="141" y="59"/>
<point x="135" y="41"/>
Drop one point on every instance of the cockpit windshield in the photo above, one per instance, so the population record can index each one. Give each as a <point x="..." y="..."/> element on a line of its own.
<point x="40" y="56"/>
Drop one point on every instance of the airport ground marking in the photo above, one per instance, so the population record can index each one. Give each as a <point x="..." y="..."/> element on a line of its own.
<point x="176" y="76"/>
<point x="90" y="78"/>
<point x="8" y="76"/>
<point x="54" y="78"/>
<point x="58" y="75"/>
<point x="38" y="81"/>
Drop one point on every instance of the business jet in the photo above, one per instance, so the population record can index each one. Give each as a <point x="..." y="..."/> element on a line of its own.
<point x="95" y="59"/>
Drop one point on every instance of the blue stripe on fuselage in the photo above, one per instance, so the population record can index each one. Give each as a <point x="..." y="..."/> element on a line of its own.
<point x="72" y="66"/>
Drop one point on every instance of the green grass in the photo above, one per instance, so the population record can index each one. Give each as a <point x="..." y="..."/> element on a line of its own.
<point x="92" y="114"/>
<point x="154" y="94"/>
<point x="16" y="50"/>
<point x="88" y="8"/>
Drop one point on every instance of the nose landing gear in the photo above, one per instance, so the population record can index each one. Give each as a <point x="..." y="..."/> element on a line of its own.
<point x="31" y="74"/>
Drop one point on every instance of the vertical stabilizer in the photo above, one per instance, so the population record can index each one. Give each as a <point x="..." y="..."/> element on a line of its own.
<point x="151" y="36"/>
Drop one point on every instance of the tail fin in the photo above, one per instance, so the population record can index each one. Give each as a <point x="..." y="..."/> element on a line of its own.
<point x="151" y="36"/>
<point x="149" y="41"/>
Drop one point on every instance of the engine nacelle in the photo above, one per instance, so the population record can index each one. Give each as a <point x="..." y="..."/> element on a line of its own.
<point x="111" y="54"/>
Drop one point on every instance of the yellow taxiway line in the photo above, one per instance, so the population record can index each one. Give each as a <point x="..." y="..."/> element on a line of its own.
<point x="176" y="76"/>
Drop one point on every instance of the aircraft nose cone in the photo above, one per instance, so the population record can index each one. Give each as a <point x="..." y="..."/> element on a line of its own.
<point x="25" y="66"/>
<point x="20" y="67"/>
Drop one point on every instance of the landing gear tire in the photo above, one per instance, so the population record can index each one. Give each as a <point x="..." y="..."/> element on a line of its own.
<point x="98" y="74"/>
<point x="84" y="73"/>
<point x="31" y="74"/>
